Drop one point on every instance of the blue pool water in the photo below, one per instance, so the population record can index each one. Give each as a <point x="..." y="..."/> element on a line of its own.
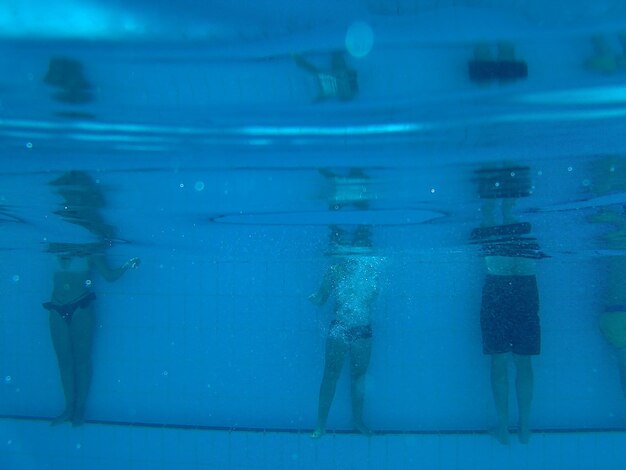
<point x="190" y="137"/>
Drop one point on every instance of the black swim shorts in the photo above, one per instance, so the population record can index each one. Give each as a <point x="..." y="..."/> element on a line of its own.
<point x="509" y="315"/>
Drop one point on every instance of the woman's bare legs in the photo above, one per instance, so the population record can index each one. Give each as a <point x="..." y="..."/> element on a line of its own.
<point x="82" y="331"/>
<point x="60" y="334"/>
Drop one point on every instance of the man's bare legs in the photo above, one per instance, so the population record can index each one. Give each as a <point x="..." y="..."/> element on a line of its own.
<point x="500" y="391"/>
<point x="524" y="389"/>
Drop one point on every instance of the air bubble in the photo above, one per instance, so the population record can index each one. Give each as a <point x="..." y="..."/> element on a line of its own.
<point x="359" y="39"/>
<point x="199" y="185"/>
<point x="181" y="185"/>
<point x="88" y="283"/>
<point x="8" y="379"/>
<point x="15" y="277"/>
<point x="29" y="145"/>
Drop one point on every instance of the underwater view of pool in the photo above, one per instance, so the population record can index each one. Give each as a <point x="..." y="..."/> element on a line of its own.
<point x="383" y="234"/>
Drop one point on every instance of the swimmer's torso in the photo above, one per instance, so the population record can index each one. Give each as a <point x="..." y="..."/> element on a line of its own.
<point x="356" y="285"/>
<point x="509" y="266"/>
<point x="71" y="279"/>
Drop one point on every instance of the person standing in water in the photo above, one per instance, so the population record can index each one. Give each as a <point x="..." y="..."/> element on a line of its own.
<point x="72" y="319"/>
<point x="509" y="314"/>
<point x="71" y="306"/>
<point x="609" y="177"/>
<point x="353" y="280"/>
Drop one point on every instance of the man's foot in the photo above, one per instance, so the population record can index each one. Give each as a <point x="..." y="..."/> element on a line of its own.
<point x="606" y="217"/>
<point x="319" y="432"/>
<point x="501" y="433"/>
<point x="78" y="419"/>
<point x="76" y="422"/>
<point x="63" y="417"/>
<point x="523" y="434"/>
<point x="605" y="63"/>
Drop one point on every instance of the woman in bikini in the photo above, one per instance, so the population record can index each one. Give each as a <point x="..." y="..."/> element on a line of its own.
<point x="72" y="320"/>
<point x="354" y="281"/>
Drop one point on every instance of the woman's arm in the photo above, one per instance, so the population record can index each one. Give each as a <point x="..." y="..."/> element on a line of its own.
<point x="112" y="274"/>
<point x="305" y="64"/>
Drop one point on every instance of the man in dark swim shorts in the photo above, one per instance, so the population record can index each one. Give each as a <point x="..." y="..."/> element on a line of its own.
<point x="509" y="314"/>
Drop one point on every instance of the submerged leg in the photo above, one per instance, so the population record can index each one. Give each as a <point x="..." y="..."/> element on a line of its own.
<point x="488" y="217"/>
<point x="524" y="387"/>
<point x="305" y="64"/>
<point x="621" y="362"/>
<point x="507" y="206"/>
<point x="60" y="334"/>
<point x="359" y="362"/>
<point x="604" y="59"/>
<point x="500" y="391"/>
<point x="335" y="354"/>
<point x="82" y="331"/>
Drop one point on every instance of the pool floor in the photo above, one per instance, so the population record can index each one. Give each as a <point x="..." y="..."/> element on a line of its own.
<point x="34" y="444"/>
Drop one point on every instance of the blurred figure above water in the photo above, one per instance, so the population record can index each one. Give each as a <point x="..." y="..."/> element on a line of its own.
<point x="67" y="76"/>
<point x="349" y="188"/>
<point x="484" y="69"/>
<point x="82" y="201"/>
<point x="337" y="82"/>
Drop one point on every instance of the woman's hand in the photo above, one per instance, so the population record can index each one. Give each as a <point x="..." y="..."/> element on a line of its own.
<point x="132" y="263"/>
<point x="316" y="298"/>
